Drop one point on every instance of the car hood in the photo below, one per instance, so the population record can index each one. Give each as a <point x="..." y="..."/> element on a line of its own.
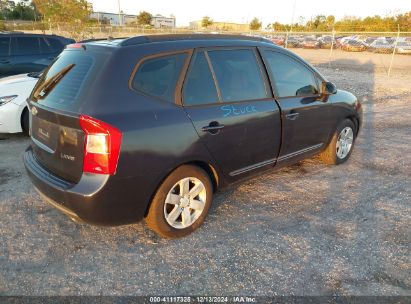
<point x="20" y="85"/>
<point x="16" y="79"/>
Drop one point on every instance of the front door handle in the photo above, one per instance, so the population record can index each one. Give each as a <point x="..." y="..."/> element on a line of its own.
<point x="4" y="61"/>
<point x="292" y="116"/>
<point x="213" y="127"/>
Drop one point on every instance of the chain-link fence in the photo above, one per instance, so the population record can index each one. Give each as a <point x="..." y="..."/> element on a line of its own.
<point x="385" y="50"/>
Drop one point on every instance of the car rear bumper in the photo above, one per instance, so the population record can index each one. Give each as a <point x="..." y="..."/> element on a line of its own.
<point x="96" y="199"/>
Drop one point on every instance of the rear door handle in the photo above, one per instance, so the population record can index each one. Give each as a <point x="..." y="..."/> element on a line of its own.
<point x="292" y="116"/>
<point x="4" y="61"/>
<point x="213" y="127"/>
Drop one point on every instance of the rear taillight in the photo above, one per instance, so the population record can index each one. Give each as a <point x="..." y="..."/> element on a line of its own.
<point x="101" y="146"/>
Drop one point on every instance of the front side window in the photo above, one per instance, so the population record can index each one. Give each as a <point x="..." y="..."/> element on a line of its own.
<point x="158" y="76"/>
<point x="291" y="77"/>
<point x="25" y="46"/>
<point x="238" y="75"/>
<point x="4" y="46"/>
<point x="199" y="87"/>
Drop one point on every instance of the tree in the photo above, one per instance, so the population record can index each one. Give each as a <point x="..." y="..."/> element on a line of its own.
<point x="24" y="10"/>
<point x="69" y="11"/>
<point x="74" y="14"/>
<point x="206" y="22"/>
<point x="144" y="18"/>
<point x="330" y="20"/>
<point x="318" y="20"/>
<point x="255" y="24"/>
<point x="6" y="7"/>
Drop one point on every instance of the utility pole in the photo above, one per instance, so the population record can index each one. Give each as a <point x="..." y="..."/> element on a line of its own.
<point x="393" y="52"/>
<point x="292" y="16"/>
<point x="120" y="20"/>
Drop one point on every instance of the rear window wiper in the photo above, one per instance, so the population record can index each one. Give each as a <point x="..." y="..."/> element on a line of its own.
<point x="44" y="89"/>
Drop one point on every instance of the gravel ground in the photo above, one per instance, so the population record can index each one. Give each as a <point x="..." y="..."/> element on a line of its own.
<point x="309" y="229"/>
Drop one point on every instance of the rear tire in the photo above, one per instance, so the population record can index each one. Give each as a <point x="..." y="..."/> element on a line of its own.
<point x="177" y="209"/>
<point x="341" y="145"/>
<point x="25" y="121"/>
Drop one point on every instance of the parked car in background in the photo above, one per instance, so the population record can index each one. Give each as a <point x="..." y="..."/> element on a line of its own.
<point x="342" y="40"/>
<point x="23" y="53"/>
<point x="381" y="46"/>
<point x="369" y="40"/>
<point x="198" y="112"/>
<point x="310" y="43"/>
<point x="338" y="41"/>
<point x="390" y="40"/>
<point x="352" y="45"/>
<point x="326" y="42"/>
<point x="278" y="40"/>
<point x="14" y="90"/>
<point x="404" y="47"/>
<point x="293" y="42"/>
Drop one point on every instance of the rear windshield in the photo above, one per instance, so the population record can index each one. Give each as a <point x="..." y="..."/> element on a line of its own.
<point x="80" y="68"/>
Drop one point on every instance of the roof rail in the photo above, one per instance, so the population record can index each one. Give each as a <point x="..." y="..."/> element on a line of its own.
<point x="109" y="38"/>
<point x="174" y="37"/>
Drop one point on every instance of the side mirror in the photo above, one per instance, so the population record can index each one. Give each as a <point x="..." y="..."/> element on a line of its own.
<point x="328" y="88"/>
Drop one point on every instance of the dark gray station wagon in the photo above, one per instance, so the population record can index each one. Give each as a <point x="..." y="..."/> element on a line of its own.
<point x="151" y="126"/>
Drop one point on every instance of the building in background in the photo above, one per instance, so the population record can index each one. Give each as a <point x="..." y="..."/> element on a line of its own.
<point x="113" y="18"/>
<point x="220" y="26"/>
<point x="159" y="21"/>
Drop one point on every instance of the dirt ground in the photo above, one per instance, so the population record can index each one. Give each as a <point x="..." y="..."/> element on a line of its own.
<point x="310" y="229"/>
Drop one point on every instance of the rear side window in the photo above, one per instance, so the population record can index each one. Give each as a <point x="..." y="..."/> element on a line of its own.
<point x="158" y="76"/>
<point x="55" y="45"/>
<point x="45" y="46"/>
<point x="238" y="75"/>
<point x="4" y="46"/>
<point x="50" y="45"/>
<point x="199" y="87"/>
<point x="291" y="77"/>
<point x="25" y="46"/>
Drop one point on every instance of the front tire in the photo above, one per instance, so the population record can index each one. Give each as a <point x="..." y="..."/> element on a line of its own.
<point x="181" y="203"/>
<point x="341" y="145"/>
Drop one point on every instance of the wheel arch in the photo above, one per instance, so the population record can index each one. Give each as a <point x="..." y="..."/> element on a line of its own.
<point x="206" y="166"/>
<point x="356" y="123"/>
<point x="25" y="110"/>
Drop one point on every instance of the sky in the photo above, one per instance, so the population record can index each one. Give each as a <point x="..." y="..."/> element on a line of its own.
<point x="243" y="11"/>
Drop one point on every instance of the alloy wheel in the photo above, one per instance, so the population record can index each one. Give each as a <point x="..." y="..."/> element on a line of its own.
<point x="185" y="202"/>
<point x="344" y="142"/>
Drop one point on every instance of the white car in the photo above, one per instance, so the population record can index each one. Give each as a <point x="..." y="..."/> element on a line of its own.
<point x="14" y="90"/>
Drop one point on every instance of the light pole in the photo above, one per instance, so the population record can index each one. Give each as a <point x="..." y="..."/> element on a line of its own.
<point x="120" y="21"/>
<point x="292" y="17"/>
